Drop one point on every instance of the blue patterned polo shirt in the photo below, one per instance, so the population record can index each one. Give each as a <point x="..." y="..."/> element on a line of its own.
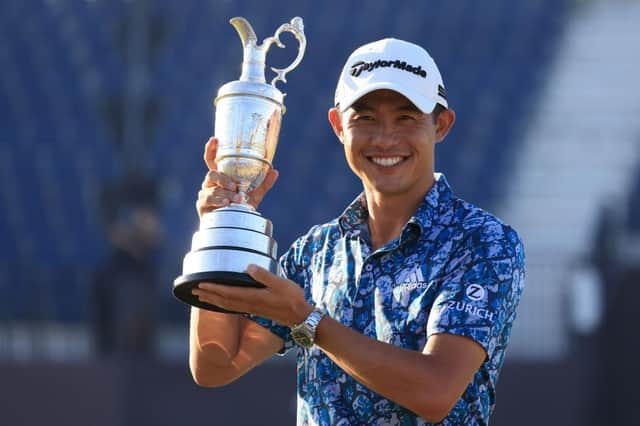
<point x="454" y="269"/>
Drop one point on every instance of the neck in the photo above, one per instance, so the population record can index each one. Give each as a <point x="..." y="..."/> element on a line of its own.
<point x="389" y="213"/>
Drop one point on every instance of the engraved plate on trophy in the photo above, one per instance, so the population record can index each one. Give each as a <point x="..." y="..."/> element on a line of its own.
<point x="247" y="124"/>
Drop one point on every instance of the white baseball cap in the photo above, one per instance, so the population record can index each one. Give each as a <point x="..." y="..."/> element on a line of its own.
<point x="395" y="65"/>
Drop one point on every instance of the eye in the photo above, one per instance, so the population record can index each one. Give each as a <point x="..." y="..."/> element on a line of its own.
<point x="363" y="117"/>
<point x="407" y="117"/>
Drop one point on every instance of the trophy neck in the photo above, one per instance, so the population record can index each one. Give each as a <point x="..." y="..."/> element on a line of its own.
<point x="253" y="54"/>
<point x="253" y="63"/>
<point x="243" y="206"/>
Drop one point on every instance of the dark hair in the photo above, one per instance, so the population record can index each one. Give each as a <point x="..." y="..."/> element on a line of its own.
<point x="436" y="112"/>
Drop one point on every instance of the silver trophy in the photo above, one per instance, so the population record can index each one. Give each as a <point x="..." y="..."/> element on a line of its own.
<point x="247" y="124"/>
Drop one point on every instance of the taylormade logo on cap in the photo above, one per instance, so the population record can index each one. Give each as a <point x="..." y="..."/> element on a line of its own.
<point x="394" y="65"/>
<point x="358" y="67"/>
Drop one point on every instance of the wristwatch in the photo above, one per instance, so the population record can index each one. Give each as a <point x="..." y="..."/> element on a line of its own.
<point x="304" y="334"/>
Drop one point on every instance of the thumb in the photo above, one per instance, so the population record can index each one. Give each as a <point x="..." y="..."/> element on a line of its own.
<point x="269" y="180"/>
<point x="210" y="150"/>
<point x="263" y="276"/>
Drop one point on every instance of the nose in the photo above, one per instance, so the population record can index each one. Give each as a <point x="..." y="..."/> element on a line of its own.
<point x="385" y="134"/>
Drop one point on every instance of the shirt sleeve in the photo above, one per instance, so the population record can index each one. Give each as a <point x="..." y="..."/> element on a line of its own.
<point x="481" y="289"/>
<point x="287" y="270"/>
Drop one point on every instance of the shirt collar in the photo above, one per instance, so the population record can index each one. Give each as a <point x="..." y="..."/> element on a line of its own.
<point x="354" y="215"/>
<point x="438" y="196"/>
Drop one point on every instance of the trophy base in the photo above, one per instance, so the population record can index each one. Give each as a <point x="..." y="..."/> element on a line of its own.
<point x="229" y="239"/>
<point x="183" y="285"/>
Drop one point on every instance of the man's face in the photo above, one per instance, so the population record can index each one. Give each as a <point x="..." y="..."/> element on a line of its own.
<point x="388" y="142"/>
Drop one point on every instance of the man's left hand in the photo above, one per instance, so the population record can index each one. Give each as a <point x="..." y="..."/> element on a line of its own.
<point x="281" y="300"/>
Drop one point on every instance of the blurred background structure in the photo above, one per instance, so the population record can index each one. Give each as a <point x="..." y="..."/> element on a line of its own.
<point x="105" y="107"/>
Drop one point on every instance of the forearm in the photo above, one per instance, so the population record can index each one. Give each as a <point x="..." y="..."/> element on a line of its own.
<point x="214" y="337"/>
<point x="407" y="377"/>
<point x="223" y="347"/>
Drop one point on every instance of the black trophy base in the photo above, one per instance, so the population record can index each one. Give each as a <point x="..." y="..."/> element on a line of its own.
<point x="183" y="285"/>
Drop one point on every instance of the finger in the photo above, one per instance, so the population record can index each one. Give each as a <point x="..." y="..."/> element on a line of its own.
<point x="269" y="181"/>
<point x="206" y="209"/>
<point x="215" y="193"/>
<point x="231" y="292"/>
<point x="215" y="178"/>
<point x="210" y="150"/>
<point x="258" y="194"/>
<point x="230" y="297"/>
<point x="212" y="299"/>
<point x="206" y="285"/>
<point x="216" y="199"/>
<point x="264" y="276"/>
<point x="207" y="204"/>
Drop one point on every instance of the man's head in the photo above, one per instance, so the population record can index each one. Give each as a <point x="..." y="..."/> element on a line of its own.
<point x="391" y="110"/>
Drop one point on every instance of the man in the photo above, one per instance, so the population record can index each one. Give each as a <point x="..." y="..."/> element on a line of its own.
<point x="402" y="306"/>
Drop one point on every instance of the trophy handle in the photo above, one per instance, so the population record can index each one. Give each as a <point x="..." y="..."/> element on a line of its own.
<point x="296" y="27"/>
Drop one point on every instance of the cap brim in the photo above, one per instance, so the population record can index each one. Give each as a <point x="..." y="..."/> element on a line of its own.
<point x="424" y="104"/>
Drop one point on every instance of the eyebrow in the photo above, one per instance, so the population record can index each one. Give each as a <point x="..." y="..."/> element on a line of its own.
<point x="410" y="107"/>
<point x="360" y="106"/>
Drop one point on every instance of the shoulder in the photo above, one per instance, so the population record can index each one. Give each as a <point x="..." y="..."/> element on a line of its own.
<point x="311" y="242"/>
<point x="317" y="235"/>
<point x="489" y="254"/>
<point x="484" y="235"/>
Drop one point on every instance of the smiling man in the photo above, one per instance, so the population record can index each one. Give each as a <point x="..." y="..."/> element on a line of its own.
<point x="401" y="308"/>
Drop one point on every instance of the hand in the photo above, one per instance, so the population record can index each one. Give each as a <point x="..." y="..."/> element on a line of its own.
<point x="219" y="190"/>
<point x="281" y="300"/>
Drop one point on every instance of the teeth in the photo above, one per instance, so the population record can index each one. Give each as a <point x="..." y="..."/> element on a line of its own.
<point x="386" y="161"/>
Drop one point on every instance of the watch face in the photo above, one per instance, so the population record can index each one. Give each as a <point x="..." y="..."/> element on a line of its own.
<point x="302" y="339"/>
<point x="304" y="334"/>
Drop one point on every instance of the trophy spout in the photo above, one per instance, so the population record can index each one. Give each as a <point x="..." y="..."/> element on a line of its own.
<point x="246" y="33"/>
<point x="253" y="56"/>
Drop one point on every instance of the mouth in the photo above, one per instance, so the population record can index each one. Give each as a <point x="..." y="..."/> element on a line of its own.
<point x="387" y="161"/>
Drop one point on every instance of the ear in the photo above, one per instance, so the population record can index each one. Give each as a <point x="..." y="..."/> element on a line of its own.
<point x="445" y="123"/>
<point x="336" y="123"/>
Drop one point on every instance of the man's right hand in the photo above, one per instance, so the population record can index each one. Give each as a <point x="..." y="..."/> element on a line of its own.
<point x="219" y="190"/>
